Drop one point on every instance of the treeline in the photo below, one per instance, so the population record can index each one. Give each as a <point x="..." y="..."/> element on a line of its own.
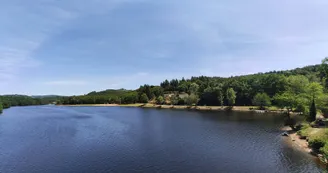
<point x="292" y="89"/>
<point x="7" y="101"/>
<point x="104" y="97"/>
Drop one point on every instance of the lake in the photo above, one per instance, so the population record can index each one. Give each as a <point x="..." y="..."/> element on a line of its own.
<point x="54" y="139"/>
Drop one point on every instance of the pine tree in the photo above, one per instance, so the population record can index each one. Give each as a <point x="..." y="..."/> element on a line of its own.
<point x="313" y="112"/>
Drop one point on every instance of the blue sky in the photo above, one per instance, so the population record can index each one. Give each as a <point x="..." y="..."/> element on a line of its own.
<point x="72" y="47"/>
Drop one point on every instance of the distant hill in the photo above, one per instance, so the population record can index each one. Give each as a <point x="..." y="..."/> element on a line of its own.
<point x="45" y="96"/>
<point x="109" y="92"/>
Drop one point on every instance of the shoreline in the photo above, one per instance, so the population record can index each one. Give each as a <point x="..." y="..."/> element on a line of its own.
<point x="180" y="107"/>
<point x="296" y="141"/>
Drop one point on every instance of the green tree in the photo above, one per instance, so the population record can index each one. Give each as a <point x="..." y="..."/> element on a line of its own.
<point x="286" y="100"/>
<point x="221" y="98"/>
<point x="314" y="90"/>
<point x="174" y="100"/>
<point x="297" y="84"/>
<point x="313" y="112"/>
<point x="219" y="93"/>
<point x="144" y="98"/>
<point x="194" y="87"/>
<point x="191" y="100"/>
<point x="156" y="91"/>
<point x="262" y="100"/>
<point x="324" y="71"/>
<point x="231" y="96"/>
<point x="160" y="100"/>
<point x="1" y="108"/>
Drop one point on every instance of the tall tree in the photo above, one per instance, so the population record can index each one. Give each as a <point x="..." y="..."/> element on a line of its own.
<point x="313" y="112"/>
<point x="193" y="88"/>
<point x="324" y="71"/>
<point x="143" y="98"/>
<point x="262" y="100"/>
<point x="231" y="96"/>
<point x="157" y="91"/>
<point x="314" y="90"/>
<point x="165" y="85"/>
<point x="286" y="100"/>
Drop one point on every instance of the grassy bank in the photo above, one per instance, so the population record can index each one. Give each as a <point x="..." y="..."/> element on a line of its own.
<point x="316" y="140"/>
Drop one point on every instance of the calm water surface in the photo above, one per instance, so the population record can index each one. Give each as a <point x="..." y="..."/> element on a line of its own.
<point x="50" y="139"/>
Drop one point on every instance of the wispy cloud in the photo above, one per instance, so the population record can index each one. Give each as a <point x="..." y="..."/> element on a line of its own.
<point x="126" y="43"/>
<point x="13" y="60"/>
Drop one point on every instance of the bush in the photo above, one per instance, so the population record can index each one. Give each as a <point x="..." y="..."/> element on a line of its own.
<point x="324" y="150"/>
<point x="160" y="100"/>
<point x="317" y="143"/>
<point x="181" y="101"/>
<point x="191" y="100"/>
<point x="143" y="98"/>
<point x="301" y="108"/>
<point x="304" y="131"/>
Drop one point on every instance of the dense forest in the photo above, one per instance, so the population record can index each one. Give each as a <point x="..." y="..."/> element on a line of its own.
<point x="7" y="101"/>
<point x="292" y="89"/>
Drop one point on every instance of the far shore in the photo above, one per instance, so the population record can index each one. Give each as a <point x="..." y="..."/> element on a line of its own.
<point x="201" y="108"/>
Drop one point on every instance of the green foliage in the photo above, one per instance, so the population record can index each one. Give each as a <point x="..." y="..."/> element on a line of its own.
<point x="160" y="100"/>
<point x="144" y="98"/>
<point x="304" y="131"/>
<point x="297" y="84"/>
<point x="1" y="108"/>
<point x="174" y="100"/>
<point x="324" y="150"/>
<point x="191" y="100"/>
<point x="291" y="89"/>
<point x="317" y="143"/>
<point x="324" y="71"/>
<point x="298" y="94"/>
<point x="109" y="96"/>
<point x="313" y="112"/>
<point x="21" y="100"/>
<point x="128" y="98"/>
<point x="194" y="87"/>
<point x="231" y="96"/>
<point x="314" y="90"/>
<point x="262" y="100"/>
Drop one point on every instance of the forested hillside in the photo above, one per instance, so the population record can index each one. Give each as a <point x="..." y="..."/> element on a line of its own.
<point x="293" y="89"/>
<point x="7" y="101"/>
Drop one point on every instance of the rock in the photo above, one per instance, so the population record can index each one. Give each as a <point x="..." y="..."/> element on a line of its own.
<point x="285" y="134"/>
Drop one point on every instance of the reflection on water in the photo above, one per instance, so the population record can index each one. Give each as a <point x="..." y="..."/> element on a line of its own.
<point x="112" y="139"/>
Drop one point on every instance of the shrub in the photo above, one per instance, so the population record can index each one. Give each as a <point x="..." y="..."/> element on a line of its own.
<point x="160" y="100"/>
<point x="191" y="100"/>
<point x="317" y="143"/>
<point x="324" y="150"/>
<point x="304" y="132"/>
<point x="181" y="101"/>
<point x="144" y="98"/>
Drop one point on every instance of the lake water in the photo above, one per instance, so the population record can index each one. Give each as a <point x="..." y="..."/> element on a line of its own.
<point x="50" y="139"/>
